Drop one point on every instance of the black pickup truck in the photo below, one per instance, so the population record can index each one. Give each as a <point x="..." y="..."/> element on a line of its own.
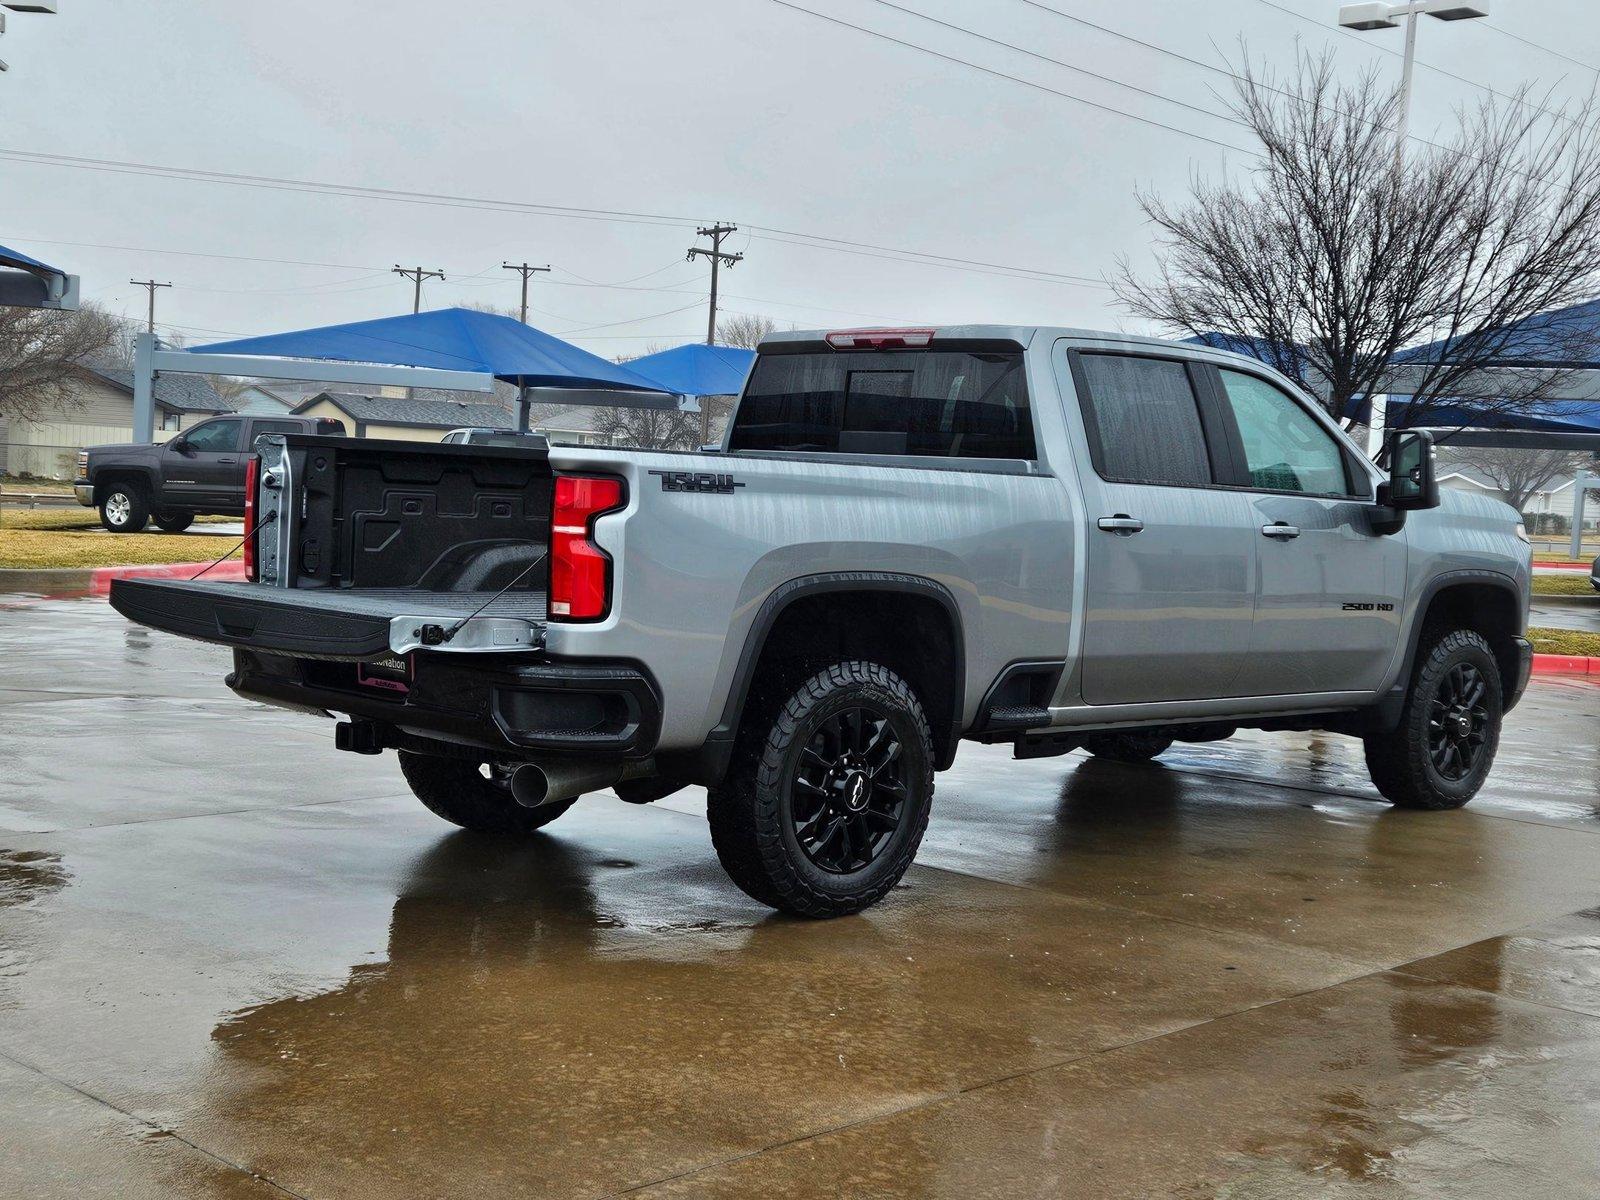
<point x="200" y="470"/>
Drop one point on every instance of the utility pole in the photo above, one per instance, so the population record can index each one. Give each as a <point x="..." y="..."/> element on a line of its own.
<point x="524" y="270"/>
<point x="417" y="275"/>
<point x="718" y="256"/>
<point x="151" y="285"/>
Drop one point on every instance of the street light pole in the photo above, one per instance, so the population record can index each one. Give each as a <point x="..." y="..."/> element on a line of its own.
<point x="1366" y="17"/>
<point x="1402" y="122"/>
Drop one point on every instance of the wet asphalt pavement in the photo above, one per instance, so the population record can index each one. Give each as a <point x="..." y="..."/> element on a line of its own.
<point x="234" y="962"/>
<point x="1574" y="612"/>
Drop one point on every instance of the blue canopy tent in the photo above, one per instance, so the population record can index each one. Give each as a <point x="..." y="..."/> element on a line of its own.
<point x="698" y="370"/>
<point x="1567" y="340"/>
<point x="463" y="339"/>
<point x="25" y="282"/>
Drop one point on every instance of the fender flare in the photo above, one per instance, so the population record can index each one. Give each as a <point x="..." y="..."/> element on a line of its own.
<point x="1394" y="699"/>
<point x="804" y="586"/>
<point x="103" y="477"/>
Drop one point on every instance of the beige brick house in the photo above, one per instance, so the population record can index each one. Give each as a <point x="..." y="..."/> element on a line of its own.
<point x="96" y="408"/>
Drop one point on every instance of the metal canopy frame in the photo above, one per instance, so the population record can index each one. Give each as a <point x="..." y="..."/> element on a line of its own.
<point x="1535" y="439"/>
<point x="147" y="361"/>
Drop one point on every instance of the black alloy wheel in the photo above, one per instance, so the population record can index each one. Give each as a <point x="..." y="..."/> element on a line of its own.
<point x="1458" y="722"/>
<point x="849" y="790"/>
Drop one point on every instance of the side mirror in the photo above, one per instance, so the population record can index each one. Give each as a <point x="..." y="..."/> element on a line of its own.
<point x="1412" y="480"/>
<point x="180" y="444"/>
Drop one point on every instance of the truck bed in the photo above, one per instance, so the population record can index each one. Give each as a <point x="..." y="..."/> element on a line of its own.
<point x="338" y="623"/>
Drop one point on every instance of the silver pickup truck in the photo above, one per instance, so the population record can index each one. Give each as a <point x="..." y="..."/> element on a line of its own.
<point x="1043" y="537"/>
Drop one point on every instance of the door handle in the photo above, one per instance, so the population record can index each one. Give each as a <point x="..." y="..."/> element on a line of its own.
<point x="1281" y="531"/>
<point x="1121" y="524"/>
<point x="228" y="462"/>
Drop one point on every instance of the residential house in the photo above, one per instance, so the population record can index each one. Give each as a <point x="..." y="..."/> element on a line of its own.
<point x="258" y="401"/>
<point x="427" y="420"/>
<point x="96" y="408"/>
<point x="1555" y="497"/>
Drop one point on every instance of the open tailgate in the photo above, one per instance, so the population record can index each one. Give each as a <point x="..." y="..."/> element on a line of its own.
<point x="346" y="623"/>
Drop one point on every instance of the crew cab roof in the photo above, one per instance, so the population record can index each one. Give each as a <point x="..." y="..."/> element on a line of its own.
<point x="1024" y="336"/>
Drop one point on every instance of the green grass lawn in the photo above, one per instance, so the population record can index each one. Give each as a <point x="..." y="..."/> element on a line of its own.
<point x="74" y="518"/>
<point x="37" y="549"/>
<point x="44" y="538"/>
<point x="1560" y="585"/>
<point x="53" y="486"/>
<point x="1565" y="641"/>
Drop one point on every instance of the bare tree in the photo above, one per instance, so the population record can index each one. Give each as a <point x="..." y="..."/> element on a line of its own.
<point x="745" y="330"/>
<point x="41" y="350"/>
<point x="1518" y="474"/>
<point x="1331" y="260"/>
<point x="648" y="428"/>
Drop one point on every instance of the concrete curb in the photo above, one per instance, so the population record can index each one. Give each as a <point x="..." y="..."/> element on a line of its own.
<point x="1565" y="664"/>
<point x="96" y="581"/>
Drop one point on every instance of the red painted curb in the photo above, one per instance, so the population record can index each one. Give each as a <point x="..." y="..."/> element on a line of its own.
<point x="1565" y="664"/>
<point x="1563" y="566"/>
<point x="100" y="577"/>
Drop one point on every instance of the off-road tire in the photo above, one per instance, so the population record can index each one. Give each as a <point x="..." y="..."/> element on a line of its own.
<point x="173" y="521"/>
<point x="1401" y="761"/>
<point x="124" y="508"/>
<point x="1130" y="747"/>
<point x="455" y="789"/>
<point x="750" y="812"/>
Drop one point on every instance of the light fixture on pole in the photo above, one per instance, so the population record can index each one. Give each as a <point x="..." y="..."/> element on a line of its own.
<point x="1366" y="17"/>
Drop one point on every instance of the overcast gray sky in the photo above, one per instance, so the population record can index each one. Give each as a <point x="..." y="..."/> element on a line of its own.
<point x="745" y="110"/>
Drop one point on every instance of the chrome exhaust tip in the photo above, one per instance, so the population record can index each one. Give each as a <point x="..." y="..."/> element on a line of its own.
<point x="534" y="785"/>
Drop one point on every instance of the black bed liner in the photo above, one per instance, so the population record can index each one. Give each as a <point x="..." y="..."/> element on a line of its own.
<point x="340" y="623"/>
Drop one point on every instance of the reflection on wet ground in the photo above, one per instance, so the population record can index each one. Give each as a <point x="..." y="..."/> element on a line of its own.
<point x="234" y="962"/>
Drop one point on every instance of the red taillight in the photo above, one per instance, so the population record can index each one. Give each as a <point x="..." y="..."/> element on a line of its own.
<point x="881" y="339"/>
<point x="252" y="482"/>
<point x="580" y="572"/>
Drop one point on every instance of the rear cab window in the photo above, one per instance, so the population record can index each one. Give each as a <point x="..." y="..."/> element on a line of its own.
<point x="1143" y="419"/>
<point x="927" y="403"/>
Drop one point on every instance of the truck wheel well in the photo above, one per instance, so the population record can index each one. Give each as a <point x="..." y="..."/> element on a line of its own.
<point x="106" y="480"/>
<point x="1485" y="608"/>
<point x="913" y="635"/>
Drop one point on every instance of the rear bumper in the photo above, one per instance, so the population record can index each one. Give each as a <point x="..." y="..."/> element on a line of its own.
<point x="1524" y="671"/>
<point x="590" y="708"/>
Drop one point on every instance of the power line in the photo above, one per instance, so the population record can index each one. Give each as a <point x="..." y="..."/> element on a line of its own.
<point x="186" y="174"/>
<point x="1205" y="112"/>
<point x="1516" y="37"/>
<point x="1188" y="133"/>
<point x="633" y="320"/>
<point x="323" y="188"/>
<point x="1003" y="273"/>
<point x="286" y="262"/>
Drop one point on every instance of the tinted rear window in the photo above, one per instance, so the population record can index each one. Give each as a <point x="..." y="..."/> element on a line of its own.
<point x="920" y="402"/>
<point x="1144" y="421"/>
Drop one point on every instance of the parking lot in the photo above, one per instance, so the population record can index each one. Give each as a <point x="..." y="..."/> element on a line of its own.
<point x="235" y="962"/>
